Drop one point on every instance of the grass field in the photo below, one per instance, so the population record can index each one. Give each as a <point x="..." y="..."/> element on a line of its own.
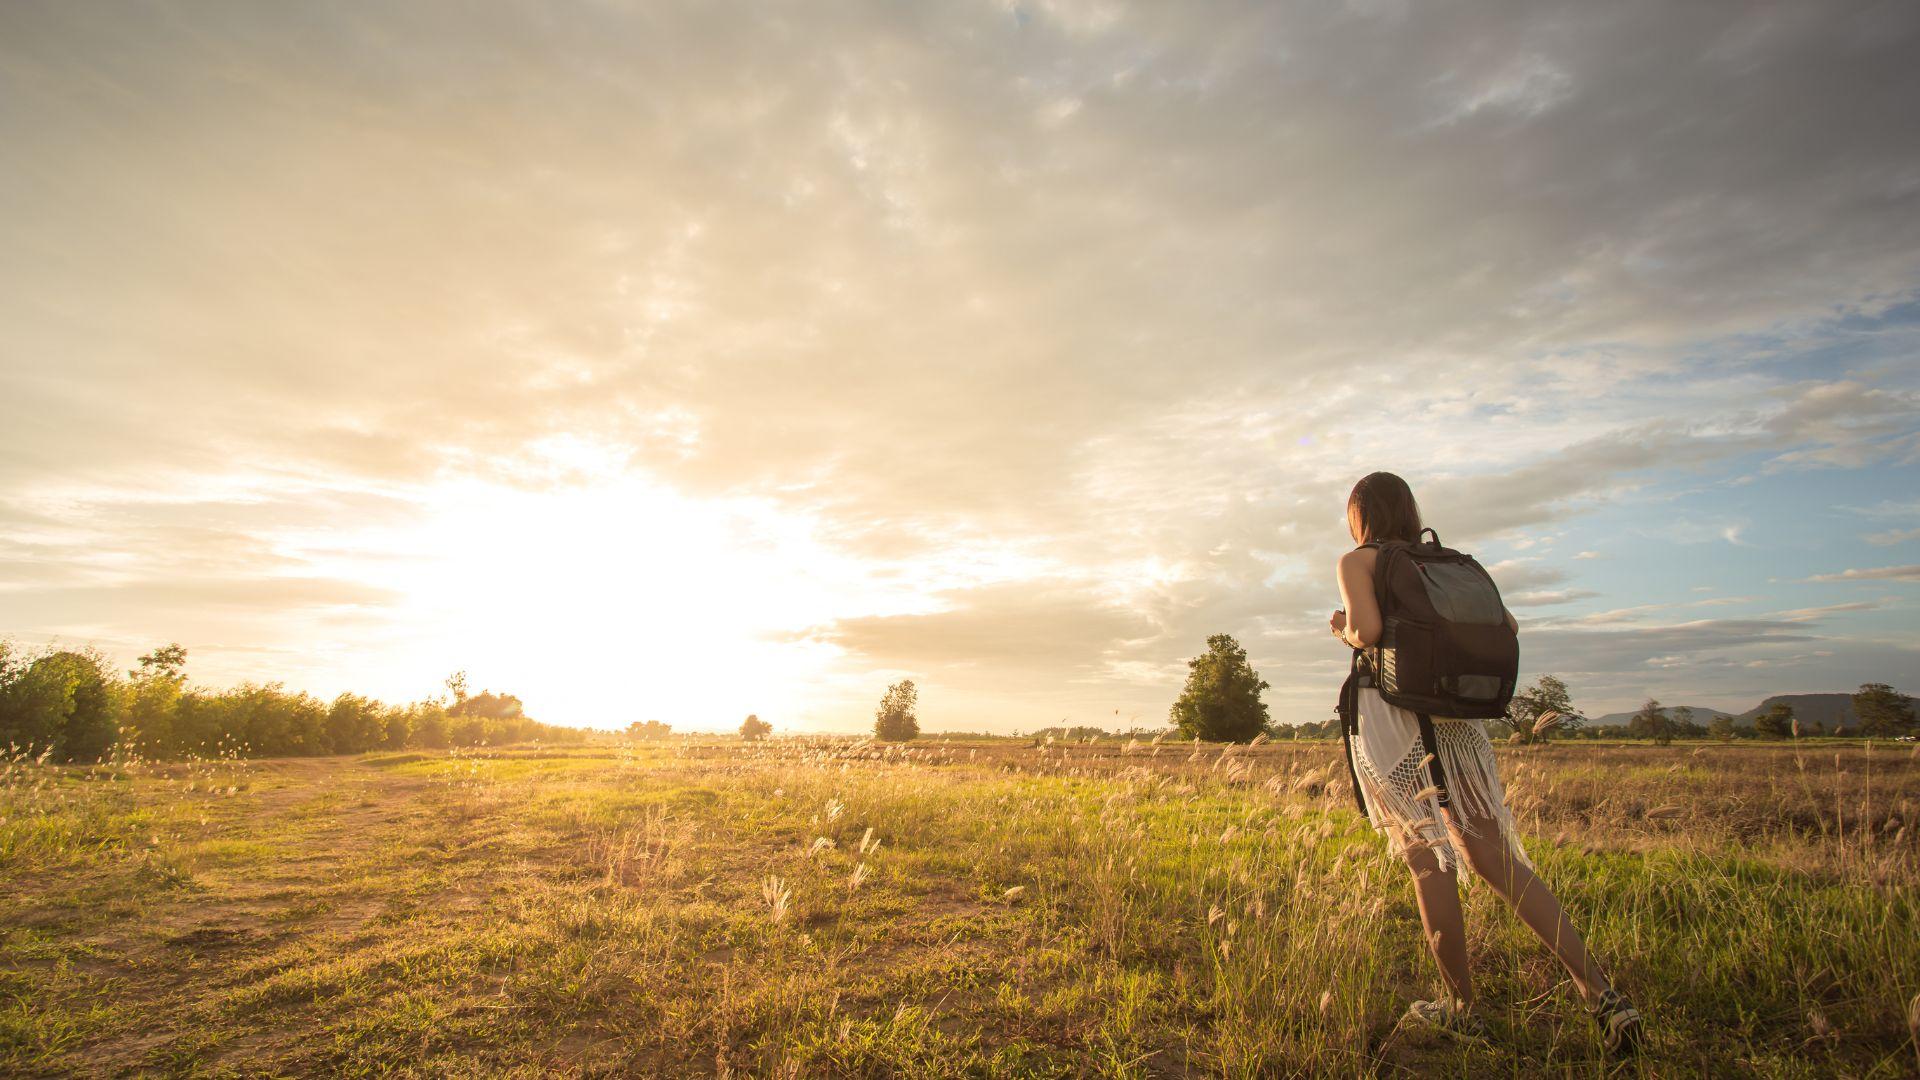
<point x="825" y="908"/>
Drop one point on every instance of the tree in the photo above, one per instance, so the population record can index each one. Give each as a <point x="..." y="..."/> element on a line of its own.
<point x="1221" y="702"/>
<point x="1682" y="725"/>
<point x="153" y="705"/>
<point x="1722" y="727"/>
<point x="168" y="661"/>
<point x="427" y="723"/>
<point x="355" y="724"/>
<point x="1547" y="695"/>
<point x="270" y="722"/>
<point x="87" y="723"/>
<point x="648" y="729"/>
<point x="755" y="728"/>
<point x="1775" y="723"/>
<point x="894" y="721"/>
<point x="457" y="686"/>
<point x="1882" y="711"/>
<point x="397" y="727"/>
<point x="487" y="705"/>
<point x="204" y="721"/>
<point x="34" y="702"/>
<point x="1650" y="723"/>
<point x="64" y="703"/>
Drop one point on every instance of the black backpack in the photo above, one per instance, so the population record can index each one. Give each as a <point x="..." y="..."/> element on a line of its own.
<point x="1445" y="647"/>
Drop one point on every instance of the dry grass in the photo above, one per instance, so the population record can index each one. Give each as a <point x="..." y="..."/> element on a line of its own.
<point x="827" y="907"/>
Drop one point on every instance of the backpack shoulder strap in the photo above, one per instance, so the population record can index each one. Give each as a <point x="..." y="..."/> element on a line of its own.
<point x="1349" y="710"/>
<point x="1434" y="771"/>
<point x="1382" y="569"/>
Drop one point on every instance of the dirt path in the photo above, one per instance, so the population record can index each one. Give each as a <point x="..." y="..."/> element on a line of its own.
<point x="283" y="859"/>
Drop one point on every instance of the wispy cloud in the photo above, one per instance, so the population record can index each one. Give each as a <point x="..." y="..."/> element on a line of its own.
<point x="1816" y="613"/>
<point x="1543" y="597"/>
<point x="1878" y="573"/>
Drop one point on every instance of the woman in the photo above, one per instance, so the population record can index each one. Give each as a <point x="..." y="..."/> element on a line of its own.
<point x="1388" y="759"/>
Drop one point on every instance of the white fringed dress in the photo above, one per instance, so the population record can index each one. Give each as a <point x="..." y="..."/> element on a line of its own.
<point x="1389" y="758"/>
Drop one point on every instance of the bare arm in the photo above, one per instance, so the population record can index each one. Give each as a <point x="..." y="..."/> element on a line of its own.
<point x="1355" y="571"/>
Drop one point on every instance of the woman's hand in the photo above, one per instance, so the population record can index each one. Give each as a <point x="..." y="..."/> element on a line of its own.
<point x="1338" y="623"/>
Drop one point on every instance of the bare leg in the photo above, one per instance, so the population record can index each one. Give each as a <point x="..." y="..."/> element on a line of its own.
<point x="1532" y="901"/>
<point x="1438" y="893"/>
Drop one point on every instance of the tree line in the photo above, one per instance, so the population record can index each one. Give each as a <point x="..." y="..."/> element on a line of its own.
<point x="73" y="706"/>
<point x="1221" y="702"/>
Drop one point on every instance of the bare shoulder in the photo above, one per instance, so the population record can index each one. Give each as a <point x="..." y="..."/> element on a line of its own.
<point x="1357" y="562"/>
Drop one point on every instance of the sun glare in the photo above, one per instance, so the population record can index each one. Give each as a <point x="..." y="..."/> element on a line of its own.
<point x="608" y="598"/>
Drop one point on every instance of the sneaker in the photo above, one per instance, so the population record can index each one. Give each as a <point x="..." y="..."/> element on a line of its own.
<point x="1620" y="1027"/>
<point x="1446" y="1015"/>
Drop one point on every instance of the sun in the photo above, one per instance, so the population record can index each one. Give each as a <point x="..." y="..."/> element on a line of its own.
<point x="602" y="596"/>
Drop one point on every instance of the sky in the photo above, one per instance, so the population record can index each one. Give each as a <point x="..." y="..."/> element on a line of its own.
<point x="684" y="360"/>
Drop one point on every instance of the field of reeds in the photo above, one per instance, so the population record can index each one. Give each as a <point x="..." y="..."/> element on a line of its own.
<point x="799" y="908"/>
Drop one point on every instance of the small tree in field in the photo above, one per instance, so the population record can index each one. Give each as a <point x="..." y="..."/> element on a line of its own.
<point x="1883" y="711"/>
<point x="755" y="728"/>
<point x="1650" y="723"/>
<point x="153" y="701"/>
<point x="1547" y="695"/>
<point x="1221" y="702"/>
<point x="1722" y="727"/>
<point x="457" y="686"/>
<point x="894" y="721"/>
<point x="1775" y="723"/>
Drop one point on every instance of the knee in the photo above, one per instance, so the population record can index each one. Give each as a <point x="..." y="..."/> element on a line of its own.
<point x="1423" y="863"/>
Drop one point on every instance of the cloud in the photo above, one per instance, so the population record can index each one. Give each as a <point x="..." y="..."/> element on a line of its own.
<point x="1058" y="629"/>
<point x="1815" y="613"/>
<point x="1567" y="648"/>
<point x="1616" y="615"/>
<point x="1517" y="574"/>
<point x="1844" y="424"/>
<point x="1879" y="573"/>
<point x="190" y="596"/>
<point x="1524" y="583"/>
<point x="1544" y="597"/>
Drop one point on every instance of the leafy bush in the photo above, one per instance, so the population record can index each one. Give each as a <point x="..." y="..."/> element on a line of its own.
<point x="73" y="706"/>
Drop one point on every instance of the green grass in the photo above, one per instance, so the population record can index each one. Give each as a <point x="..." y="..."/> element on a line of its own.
<point x="1076" y="911"/>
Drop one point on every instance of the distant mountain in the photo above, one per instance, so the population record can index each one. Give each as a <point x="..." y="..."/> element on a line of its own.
<point x="1701" y="715"/>
<point x="1828" y="710"/>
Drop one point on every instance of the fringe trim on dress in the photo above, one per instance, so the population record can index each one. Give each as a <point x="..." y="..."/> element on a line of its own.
<point x="1473" y="783"/>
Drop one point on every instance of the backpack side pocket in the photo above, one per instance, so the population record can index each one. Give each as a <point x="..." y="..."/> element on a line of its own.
<point x="1407" y="667"/>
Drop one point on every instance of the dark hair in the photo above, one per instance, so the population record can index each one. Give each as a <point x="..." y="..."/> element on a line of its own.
<point x="1382" y="508"/>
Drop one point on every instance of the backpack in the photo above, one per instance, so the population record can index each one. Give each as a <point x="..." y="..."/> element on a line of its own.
<point x="1445" y="647"/>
